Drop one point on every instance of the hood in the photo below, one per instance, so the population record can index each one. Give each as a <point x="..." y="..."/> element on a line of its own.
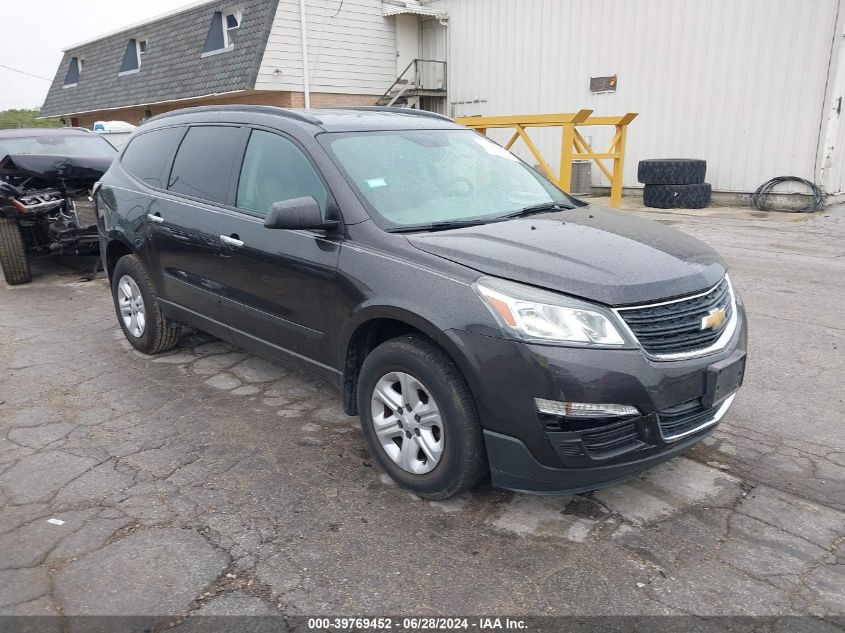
<point x="610" y="257"/>
<point x="50" y="168"/>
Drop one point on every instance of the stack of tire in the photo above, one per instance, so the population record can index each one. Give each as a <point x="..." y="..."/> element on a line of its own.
<point x="674" y="183"/>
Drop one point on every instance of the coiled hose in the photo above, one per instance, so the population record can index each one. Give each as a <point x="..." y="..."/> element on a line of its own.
<point x="759" y="197"/>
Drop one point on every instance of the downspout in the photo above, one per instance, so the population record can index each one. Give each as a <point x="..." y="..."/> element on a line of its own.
<point x="303" y="27"/>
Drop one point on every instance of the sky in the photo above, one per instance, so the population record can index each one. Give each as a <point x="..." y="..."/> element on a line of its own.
<point x="34" y="32"/>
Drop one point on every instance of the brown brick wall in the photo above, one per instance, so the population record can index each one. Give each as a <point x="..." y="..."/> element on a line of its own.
<point x="331" y="100"/>
<point x="134" y="115"/>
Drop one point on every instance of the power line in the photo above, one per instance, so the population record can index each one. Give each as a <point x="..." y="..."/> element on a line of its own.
<point x="23" y="72"/>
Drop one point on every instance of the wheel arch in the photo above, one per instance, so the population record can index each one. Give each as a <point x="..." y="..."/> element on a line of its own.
<point x="117" y="246"/>
<point x="376" y="324"/>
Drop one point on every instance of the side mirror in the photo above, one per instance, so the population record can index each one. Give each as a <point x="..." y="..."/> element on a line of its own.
<point x="297" y="213"/>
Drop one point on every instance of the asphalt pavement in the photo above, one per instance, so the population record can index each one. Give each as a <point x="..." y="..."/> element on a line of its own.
<point x="209" y="481"/>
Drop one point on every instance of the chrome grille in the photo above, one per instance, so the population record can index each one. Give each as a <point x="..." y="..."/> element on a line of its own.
<point x="676" y="327"/>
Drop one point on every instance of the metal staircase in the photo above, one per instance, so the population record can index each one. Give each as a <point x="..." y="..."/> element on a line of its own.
<point x="422" y="86"/>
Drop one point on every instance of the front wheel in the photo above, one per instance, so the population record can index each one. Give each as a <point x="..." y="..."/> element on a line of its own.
<point x="138" y="310"/>
<point x="419" y="419"/>
<point x="13" y="257"/>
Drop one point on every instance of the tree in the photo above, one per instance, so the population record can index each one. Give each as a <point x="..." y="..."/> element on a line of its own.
<point x="25" y="118"/>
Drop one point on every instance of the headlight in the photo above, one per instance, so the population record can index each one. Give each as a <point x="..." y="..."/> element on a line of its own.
<point x="537" y="315"/>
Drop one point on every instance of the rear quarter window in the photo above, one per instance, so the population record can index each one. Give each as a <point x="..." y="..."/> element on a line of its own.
<point x="147" y="156"/>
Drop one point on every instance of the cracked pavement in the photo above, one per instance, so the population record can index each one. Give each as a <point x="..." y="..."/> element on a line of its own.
<point x="209" y="481"/>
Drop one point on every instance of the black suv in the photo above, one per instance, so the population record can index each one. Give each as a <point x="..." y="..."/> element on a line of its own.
<point x="474" y="316"/>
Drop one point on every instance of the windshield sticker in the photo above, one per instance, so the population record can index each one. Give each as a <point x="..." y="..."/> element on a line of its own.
<point x="494" y="150"/>
<point x="374" y="183"/>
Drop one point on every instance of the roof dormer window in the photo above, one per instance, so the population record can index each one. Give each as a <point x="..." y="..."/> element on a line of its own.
<point x="221" y="33"/>
<point x="73" y="72"/>
<point x="132" y="57"/>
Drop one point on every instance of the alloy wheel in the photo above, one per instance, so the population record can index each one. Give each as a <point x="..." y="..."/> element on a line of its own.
<point x="407" y="422"/>
<point x="131" y="304"/>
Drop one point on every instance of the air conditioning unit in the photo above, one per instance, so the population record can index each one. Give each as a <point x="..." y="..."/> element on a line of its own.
<point x="582" y="184"/>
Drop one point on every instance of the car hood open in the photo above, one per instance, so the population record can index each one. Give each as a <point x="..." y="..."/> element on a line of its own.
<point x="611" y="257"/>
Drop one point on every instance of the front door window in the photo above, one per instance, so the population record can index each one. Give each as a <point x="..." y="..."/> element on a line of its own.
<point x="274" y="169"/>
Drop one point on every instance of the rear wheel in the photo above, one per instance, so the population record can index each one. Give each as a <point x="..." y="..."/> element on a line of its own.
<point x="13" y="253"/>
<point x="419" y="419"/>
<point x="138" y="310"/>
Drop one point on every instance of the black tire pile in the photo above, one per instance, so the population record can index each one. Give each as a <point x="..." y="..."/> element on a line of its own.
<point x="674" y="183"/>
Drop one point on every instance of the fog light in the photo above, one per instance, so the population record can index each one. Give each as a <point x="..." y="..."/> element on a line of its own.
<point x="584" y="409"/>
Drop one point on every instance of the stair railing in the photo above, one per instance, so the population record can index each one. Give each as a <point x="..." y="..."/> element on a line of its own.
<point x="417" y="83"/>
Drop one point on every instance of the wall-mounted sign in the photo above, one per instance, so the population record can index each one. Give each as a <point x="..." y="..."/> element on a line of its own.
<point x="603" y="84"/>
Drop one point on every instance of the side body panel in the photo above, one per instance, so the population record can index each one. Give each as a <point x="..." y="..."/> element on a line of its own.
<point x="186" y="252"/>
<point x="279" y="288"/>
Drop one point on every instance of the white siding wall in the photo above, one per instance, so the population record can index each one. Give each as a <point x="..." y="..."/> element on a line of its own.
<point x="833" y="146"/>
<point x="351" y="52"/>
<point x="740" y="83"/>
<point x="834" y="159"/>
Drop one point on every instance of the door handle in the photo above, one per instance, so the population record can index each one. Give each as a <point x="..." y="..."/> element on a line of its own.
<point x="155" y="218"/>
<point x="234" y="242"/>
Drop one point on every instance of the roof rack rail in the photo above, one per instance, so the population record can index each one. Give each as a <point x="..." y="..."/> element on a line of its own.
<point x="414" y="111"/>
<point x="285" y="112"/>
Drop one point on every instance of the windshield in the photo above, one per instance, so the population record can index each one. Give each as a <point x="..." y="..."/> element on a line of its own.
<point x="418" y="177"/>
<point x="58" y="145"/>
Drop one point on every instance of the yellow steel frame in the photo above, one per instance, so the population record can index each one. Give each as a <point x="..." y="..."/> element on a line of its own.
<point x="573" y="144"/>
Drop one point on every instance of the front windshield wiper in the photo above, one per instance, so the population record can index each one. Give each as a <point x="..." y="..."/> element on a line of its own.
<point x="538" y="208"/>
<point x="442" y="225"/>
<point x="456" y="224"/>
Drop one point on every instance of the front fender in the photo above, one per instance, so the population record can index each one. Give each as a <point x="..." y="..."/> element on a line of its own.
<point x="437" y="301"/>
<point x="411" y="315"/>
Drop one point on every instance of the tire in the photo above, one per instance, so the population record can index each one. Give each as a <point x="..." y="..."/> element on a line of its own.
<point x="157" y="334"/>
<point x="13" y="253"/>
<point x="672" y="171"/>
<point x="677" y="196"/>
<point x="462" y="462"/>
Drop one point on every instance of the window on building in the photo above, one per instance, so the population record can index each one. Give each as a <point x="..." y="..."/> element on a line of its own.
<point x="222" y="32"/>
<point x="274" y="169"/>
<point x="204" y="163"/>
<point x="233" y="23"/>
<point x="148" y="155"/>
<point x="73" y="72"/>
<point x="132" y="56"/>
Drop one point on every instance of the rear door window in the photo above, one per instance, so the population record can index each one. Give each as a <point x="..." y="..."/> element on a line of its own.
<point x="205" y="161"/>
<point x="148" y="155"/>
<point x="275" y="169"/>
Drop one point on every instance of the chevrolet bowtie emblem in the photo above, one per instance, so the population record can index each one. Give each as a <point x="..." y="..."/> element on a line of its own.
<point x="714" y="319"/>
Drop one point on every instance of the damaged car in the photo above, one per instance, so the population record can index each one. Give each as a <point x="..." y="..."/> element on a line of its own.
<point x="46" y="177"/>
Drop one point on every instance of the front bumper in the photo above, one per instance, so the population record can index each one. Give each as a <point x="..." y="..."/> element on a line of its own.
<point x="532" y="452"/>
<point x="513" y="467"/>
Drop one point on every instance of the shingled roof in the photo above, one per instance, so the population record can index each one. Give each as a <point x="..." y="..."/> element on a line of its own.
<point x="172" y="67"/>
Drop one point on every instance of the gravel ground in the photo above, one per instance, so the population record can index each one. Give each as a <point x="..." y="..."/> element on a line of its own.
<point x="209" y="481"/>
